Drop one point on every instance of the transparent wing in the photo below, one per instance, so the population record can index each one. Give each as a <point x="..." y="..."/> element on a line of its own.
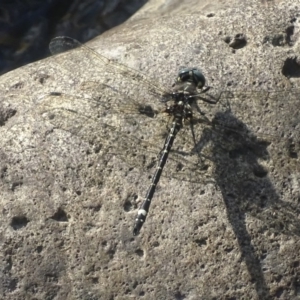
<point x="118" y="109"/>
<point x="103" y="70"/>
<point x="136" y="133"/>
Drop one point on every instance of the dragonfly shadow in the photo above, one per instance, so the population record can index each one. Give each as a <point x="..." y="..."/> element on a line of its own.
<point x="239" y="157"/>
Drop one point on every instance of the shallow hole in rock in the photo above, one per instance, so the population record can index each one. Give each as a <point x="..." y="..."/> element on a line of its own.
<point x="95" y="280"/>
<point x="19" y="222"/>
<point x="237" y="42"/>
<point x="16" y="184"/>
<point x="6" y="114"/>
<point x="289" y="33"/>
<point x="127" y="206"/>
<point x="39" y="249"/>
<point x="60" y="216"/>
<point x="139" y="252"/>
<point x="291" y="68"/>
<point x="200" y="242"/>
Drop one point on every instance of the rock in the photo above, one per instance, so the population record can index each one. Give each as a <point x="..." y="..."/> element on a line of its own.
<point x="70" y="189"/>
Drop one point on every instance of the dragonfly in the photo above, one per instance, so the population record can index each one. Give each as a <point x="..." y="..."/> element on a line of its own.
<point x="127" y="110"/>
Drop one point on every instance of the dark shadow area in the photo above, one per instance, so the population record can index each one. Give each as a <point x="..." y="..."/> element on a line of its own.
<point x="246" y="189"/>
<point x="26" y="27"/>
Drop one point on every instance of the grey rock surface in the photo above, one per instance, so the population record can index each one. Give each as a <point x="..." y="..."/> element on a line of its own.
<point x="68" y="201"/>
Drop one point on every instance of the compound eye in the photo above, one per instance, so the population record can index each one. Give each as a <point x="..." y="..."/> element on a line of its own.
<point x="198" y="78"/>
<point x="192" y="75"/>
<point x="184" y="74"/>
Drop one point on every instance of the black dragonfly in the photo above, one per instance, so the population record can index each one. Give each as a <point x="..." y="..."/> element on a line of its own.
<point x="132" y="109"/>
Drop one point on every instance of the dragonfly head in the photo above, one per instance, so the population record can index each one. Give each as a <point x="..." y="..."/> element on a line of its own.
<point x="192" y="75"/>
